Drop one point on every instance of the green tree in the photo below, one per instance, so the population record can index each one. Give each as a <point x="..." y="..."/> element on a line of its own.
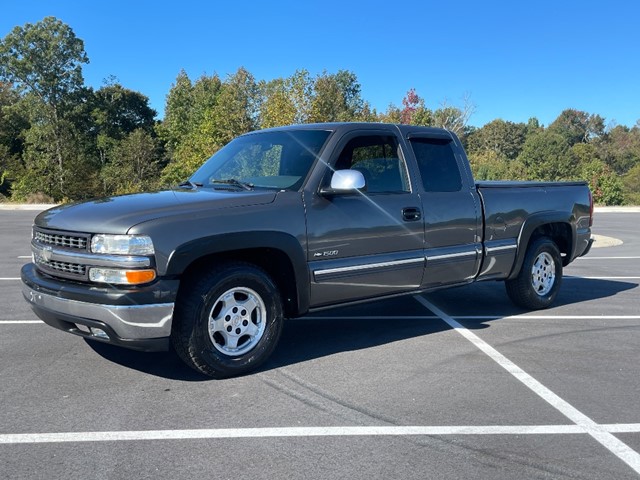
<point x="286" y="101"/>
<point x="631" y="182"/>
<point x="605" y="185"/>
<point x="577" y="126"/>
<point x="336" y="98"/>
<point x="44" y="62"/>
<point x="621" y="148"/>
<point x="134" y="165"/>
<point x="504" y="138"/>
<point x="220" y="112"/>
<point x="117" y="112"/>
<point x="546" y="156"/>
<point x="12" y="123"/>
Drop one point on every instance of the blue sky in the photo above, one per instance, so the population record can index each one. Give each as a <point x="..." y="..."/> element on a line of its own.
<point x="514" y="59"/>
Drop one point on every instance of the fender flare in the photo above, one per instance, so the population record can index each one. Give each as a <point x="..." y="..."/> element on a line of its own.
<point x="189" y="252"/>
<point x="532" y="223"/>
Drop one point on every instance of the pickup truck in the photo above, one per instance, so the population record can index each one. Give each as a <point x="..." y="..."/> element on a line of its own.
<point x="286" y="221"/>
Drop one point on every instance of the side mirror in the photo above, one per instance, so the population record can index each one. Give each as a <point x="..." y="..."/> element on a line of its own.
<point x="345" y="182"/>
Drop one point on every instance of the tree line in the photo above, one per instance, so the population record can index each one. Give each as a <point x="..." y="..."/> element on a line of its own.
<point x="61" y="140"/>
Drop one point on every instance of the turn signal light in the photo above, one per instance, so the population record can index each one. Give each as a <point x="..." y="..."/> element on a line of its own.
<point x="121" y="277"/>
<point x="140" y="276"/>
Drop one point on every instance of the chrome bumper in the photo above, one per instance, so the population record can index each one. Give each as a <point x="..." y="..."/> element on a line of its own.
<point x="127" y="321"/>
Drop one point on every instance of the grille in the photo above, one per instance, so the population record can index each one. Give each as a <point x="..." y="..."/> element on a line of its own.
<point x="60" y="240"/>
<point x="61" y="267"/>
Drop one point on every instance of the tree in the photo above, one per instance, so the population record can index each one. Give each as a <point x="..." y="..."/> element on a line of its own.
<point x="219" y="112"/>
<point x="116" y="113"/>
<point x="286" y="101"/>
<point x="454" y="118"/>
<point x="504" y="138"/>
<point x="546" y="156"/>
<point x="12" y="123"/>
<point x="605" y="185"/>
<point x="414" y="111"/>
<point x="134" y="165"/>
<point x="44" y="62"/>
<point x="336" y="98"/>
<point x="631" y="182"/>
<point x="577" y="126"/>
<point x="621" y="150"/>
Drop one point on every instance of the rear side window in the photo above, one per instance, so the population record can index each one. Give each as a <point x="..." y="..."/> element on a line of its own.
<point x="437" y="162"/>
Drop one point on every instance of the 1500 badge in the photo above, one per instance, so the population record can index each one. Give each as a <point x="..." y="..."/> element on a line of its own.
<point x="330" y="253"/>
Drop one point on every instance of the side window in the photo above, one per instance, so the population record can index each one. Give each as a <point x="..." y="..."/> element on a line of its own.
<point x="437" y="162"/>
<point x="377" y="157"/>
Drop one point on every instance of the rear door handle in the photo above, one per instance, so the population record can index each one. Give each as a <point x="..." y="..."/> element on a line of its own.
<point x="411" y="214"/>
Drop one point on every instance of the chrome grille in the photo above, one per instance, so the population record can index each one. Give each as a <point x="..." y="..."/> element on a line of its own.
<point x="61" y="267"/>
<point x="61" y="240"/>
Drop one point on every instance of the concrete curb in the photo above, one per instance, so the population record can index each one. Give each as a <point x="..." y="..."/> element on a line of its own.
<point x="25" y="206"/>
<point x="617" y="209"/>
<point x="42" y="206"/>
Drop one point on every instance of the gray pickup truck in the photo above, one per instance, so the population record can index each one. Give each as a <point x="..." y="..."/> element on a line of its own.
<point x="290" y="220"/>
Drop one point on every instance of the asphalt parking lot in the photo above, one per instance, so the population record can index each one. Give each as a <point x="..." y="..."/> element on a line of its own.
<point x="448" y="385"/>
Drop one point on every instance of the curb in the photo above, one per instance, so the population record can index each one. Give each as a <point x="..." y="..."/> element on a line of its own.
<point x="44" y="206"/>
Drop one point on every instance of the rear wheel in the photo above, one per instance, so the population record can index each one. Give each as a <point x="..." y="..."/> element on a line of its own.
<point x="228" y="321"/>
<point x="538" y="281"/>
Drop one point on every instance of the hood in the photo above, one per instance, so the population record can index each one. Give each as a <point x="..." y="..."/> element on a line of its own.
<point x="118" y="214"/>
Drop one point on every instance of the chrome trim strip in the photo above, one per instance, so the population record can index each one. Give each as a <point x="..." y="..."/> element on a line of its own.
<point x="369" y="266"/>
<point x="90" y="259"/>
<point x="451" y="255"/>
<point x="500" y="248"/>
<point x="128" y="321"/>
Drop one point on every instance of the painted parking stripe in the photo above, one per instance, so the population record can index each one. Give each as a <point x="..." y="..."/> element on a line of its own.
<point x="235" y="433"/>
<point x="10" y="278"/>
<point x="572" y="277"/>
<point x="602" y="258"/>
<point x="605" y="438"/>
<point x="20" y="322"/>
<point x="474" y="317"/>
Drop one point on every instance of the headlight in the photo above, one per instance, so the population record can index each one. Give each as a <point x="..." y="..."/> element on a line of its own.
<point x="122" y="244"/>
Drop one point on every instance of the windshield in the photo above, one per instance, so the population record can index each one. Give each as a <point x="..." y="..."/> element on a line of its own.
<point x="279" y="160"/>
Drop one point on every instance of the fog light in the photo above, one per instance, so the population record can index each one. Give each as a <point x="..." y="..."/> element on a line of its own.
<point x="99" y="333"/>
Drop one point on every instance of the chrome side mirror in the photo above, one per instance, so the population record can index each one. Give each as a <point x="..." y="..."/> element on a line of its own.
<point x="345" y="182"/>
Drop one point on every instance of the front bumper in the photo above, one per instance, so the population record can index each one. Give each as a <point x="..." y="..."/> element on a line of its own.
<point x="135" y="318"/>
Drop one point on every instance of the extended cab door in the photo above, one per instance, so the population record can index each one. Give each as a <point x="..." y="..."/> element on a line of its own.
<point x="451" y="209"/>
<point x="365" y="244"/>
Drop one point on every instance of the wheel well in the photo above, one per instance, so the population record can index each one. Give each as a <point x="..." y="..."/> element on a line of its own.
<point x="274" y="262"/>
<point x="561" y="235"/>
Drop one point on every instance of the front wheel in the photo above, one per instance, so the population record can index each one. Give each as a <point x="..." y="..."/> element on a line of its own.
<point x="228" y="321"/>
<point x="538" y="281"/>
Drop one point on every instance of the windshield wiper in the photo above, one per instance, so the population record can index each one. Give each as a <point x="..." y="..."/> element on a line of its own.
<point x="235" y="182"/>
<point x="190" y="184"/>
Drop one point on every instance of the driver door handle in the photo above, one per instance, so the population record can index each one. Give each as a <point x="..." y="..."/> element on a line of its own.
<point x="411" y="214"/>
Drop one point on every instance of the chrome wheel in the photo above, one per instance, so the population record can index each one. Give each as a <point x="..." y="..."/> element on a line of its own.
<point x="237" y="321"/>
<point x="543" y="274"/>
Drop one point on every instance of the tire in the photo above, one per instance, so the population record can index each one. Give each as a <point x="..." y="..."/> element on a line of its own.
<point x="228" y="321"/>
<point x="539" y="279"/>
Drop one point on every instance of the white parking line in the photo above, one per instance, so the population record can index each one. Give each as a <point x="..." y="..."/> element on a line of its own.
<point x="477" y="317"/>
<point x="231" y="433"/>
<point x="20" y="322"/>
<point x="571" y="277"/>
<point x="605" y="438"/>
<point x="10" y="278"/>
<point x="24" y="256"/>
<point x="601" y="258"/>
